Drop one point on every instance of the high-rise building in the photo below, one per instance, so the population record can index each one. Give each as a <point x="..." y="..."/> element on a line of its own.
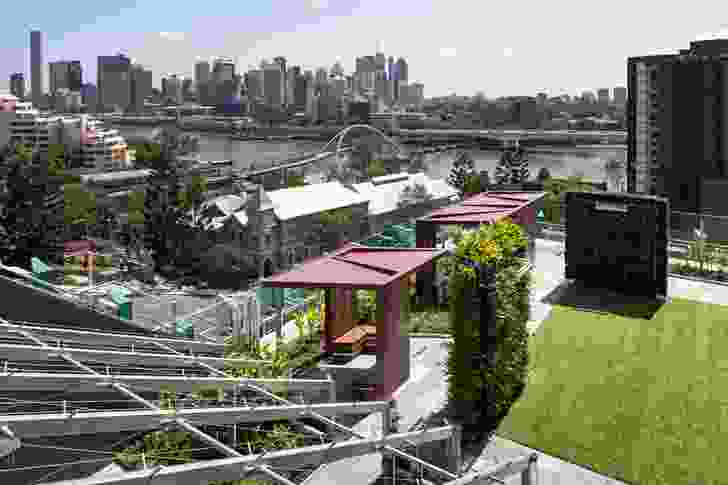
<point x="222" y="84"/>
<point x="677" y="120"/>
<point x="202" y="80"/>
<point x="620" y="96"/>
<point x="588" y="97"/>
<point x="322" y="77"/>
<point x="36" y="67"/>
<point x="114" y="83"/>
<point x="172" y="88"/>
<point x="337" y="70"/>
<point x="603" y="96"/>
<point x="281" y="61"/>
<point x="254" y="85"/>
<point x="272" y="82"/>
<point x="17" y="85"/>
<point x="65" y="75"/>
<point x="141" y="87"/>
<point x="402" y="70"/>
<point x="390" y="68"/>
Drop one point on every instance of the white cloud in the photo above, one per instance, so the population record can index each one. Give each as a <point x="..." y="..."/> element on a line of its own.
<point x="448" y="52"/>
<point x="176" y="36"/>
<point x="507" y="52"/>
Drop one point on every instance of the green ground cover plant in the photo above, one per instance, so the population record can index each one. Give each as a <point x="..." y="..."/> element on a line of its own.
<point x="639" y="400"/>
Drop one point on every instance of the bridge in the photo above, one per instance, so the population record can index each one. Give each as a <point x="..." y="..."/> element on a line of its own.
<point x="504" y="136"/>
<point x="333" y="148"/>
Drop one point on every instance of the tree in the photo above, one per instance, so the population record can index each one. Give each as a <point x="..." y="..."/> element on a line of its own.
<point x="376" y="169"/>
<point x="296" y="180"/>
<point x="79" y="209"/>
<point x="462" y="168"/>
<point x="512" y="167"/>
<point x="472" y="185"/>
<point x="162" y="209"/>
<point x="543" y="175"/>
<point x="333" y="224"/>
<point x="32" y="223"/>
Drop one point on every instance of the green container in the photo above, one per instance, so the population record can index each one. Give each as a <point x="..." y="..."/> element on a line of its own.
<point x="184" y="328"/>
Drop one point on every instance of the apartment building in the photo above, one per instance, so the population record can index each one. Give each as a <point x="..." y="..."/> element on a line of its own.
<point x="677" y="111"/>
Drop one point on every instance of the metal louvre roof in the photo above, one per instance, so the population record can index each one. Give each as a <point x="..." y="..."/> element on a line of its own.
<point x="312" y="199"/>
<point x="355" y="267"/>
<point x="484" y="208"/>
<point x="384" y="196"/>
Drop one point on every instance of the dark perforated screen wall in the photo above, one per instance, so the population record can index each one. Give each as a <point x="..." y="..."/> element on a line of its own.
<point x="618" y="241"/>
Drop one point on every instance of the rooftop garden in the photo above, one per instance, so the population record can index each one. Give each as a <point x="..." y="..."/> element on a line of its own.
<point x="640" y="400"/>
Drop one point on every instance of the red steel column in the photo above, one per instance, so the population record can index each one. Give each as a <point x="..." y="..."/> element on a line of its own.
<point x="389" y="345"/>
<point x="425" y="232"/>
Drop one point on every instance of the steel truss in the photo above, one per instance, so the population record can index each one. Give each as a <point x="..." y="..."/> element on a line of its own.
<point x="238" y="465"/>
<point x="70" y="423"/>
<point x="17" y="381"/>
<point x="119" y="339"/>
<point x="234" y="468"/>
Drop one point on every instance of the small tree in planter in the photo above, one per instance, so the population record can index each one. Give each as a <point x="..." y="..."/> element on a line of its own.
<point x="512" y="167"/>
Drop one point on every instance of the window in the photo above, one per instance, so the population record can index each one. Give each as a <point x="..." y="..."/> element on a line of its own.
<point x="268" y="241"/>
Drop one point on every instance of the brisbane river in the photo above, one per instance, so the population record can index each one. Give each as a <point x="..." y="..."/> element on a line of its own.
<point x="586" y="161"/>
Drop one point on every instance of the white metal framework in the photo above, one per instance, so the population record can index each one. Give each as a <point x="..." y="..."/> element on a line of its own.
<point x="20" y="344"/>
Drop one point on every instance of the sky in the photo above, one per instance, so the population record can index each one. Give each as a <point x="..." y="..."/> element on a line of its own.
<point x="511" y="48"/>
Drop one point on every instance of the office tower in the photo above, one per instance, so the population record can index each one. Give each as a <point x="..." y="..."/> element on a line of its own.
<point x="677" y="119"/>
<point x="322" y="77"/>
<point x="391" y="68"/>
<point x="202" y="80"/>
<point x="588" y="97"/>
<point x="114" y="83"/>
<point x="380" y="62"/>
<point x="272" y="80"/>
<point x="141" y="87"/>
<point x="65" y="75"/>
<point x="337" y="70"/>
<point x="620" y="96"/>
<point x="603" y="96"/>
<point x="17" y="85"/>
<point x="172" y="88"/>
<point x="89" y="96"/>
<point x="222" y="84"/>
<point x="36" y="67"/>
<point x="402" y="70"/>
<point x="299" y="92"/>
<point x="281" y="61"/>
<point x="254" y="85"/>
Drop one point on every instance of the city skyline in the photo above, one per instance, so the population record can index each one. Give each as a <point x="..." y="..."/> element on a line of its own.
<point x="456" y="53"/>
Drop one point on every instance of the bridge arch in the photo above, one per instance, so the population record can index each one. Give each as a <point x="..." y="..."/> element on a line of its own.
<point x="339" y="138"/>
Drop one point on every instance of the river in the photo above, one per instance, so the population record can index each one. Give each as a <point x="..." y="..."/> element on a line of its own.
<point x="587" y="161"/>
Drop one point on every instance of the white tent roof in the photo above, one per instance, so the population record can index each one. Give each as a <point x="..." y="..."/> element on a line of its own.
<point x="312" y="199"/>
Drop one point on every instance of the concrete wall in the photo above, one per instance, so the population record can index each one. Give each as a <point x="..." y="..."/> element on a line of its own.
<point x="21" y="301"/>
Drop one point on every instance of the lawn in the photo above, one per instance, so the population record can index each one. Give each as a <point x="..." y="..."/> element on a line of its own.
<point x="644" y="401"/>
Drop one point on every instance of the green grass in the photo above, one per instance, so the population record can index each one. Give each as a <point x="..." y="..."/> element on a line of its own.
<point x="645" y="401"/>
<point x="429" y="321"/>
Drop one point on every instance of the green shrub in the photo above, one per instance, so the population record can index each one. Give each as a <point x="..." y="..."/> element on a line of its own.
<point x="481" y="396"/>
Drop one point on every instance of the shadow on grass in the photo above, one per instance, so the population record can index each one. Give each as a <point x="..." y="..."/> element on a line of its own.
<point x="576" y="295"/>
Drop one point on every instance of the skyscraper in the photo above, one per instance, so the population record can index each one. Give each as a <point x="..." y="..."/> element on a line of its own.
<point x="620" y="96"/>
<point x="17" y="85"/>
<point x="272" y="81"/>
<point x="677" y="112"/>
<point x="141" y="87"/>
<point x="281" y="61"/>
<point x="222" y="85"/>
<point x="402" y="70"/>
<point x="202" y="80"/>
<point x="36" y="67"/>
<point x="65" y="75"/>
<point x="114" y="82"/>
<point x="391" y="68"/>
<point x="603" y="96"/>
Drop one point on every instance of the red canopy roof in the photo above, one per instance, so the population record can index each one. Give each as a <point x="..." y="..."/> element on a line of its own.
<point x="485" y="208"/>
<point x="355" y="267"/>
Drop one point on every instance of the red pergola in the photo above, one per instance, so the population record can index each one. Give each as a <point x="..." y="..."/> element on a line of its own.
<point x="358" y="267"/>
<point x="484" y="208"/>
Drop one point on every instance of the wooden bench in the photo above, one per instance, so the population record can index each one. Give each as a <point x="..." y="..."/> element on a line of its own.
<point x="356" y="339"/>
